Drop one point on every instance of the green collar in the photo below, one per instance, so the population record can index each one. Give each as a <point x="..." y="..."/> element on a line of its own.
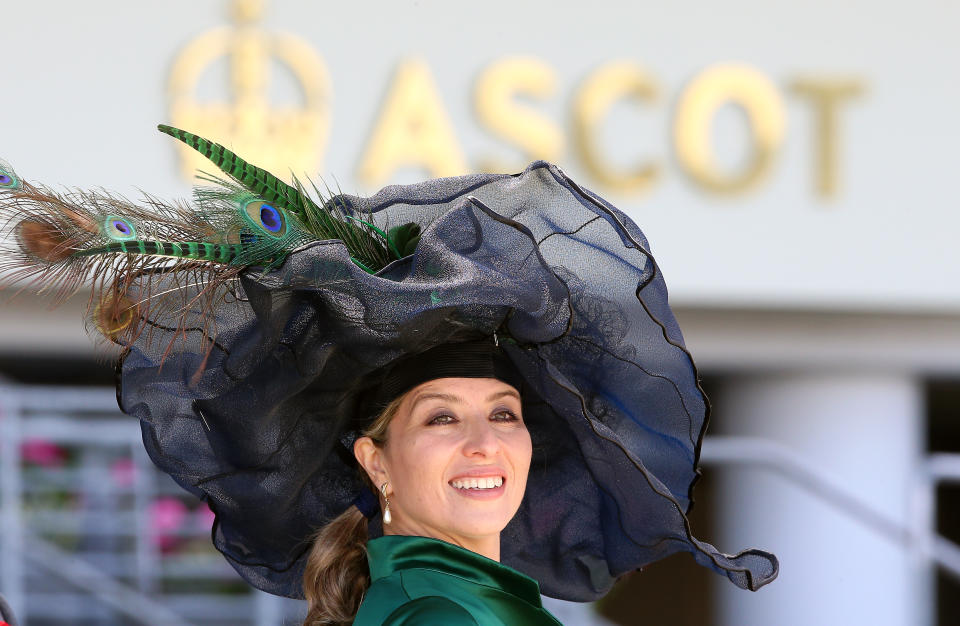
<point x="392" y="553"/>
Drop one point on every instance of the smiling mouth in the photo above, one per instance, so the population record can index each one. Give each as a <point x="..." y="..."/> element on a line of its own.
<point x="477" y="484"/>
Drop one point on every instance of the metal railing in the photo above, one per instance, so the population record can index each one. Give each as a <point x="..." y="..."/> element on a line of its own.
<point x="85" y="526"/>
<point x="920" y="537"/>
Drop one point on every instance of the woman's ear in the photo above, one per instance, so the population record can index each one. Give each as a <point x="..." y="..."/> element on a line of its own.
<point x="370" y="457"/>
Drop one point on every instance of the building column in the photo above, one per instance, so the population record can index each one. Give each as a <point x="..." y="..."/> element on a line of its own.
<point x="866" y="432"/>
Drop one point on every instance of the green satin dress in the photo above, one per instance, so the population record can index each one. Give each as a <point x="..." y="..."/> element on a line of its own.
<point x="417" y="581"/>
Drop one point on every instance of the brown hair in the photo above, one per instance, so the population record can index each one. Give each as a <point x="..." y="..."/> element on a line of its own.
<point x="337" y="575"/>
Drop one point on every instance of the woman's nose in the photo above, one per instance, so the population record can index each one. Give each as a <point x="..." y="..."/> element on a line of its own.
<point x="481" y="439"/>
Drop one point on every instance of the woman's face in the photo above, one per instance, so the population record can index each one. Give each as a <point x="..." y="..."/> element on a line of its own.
<point x="456" y="459"/>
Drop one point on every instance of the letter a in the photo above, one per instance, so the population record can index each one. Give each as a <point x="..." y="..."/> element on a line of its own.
<point x="413" y="130"/>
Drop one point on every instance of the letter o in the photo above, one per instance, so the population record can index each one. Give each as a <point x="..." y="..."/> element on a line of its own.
<point x="699" y="102"/>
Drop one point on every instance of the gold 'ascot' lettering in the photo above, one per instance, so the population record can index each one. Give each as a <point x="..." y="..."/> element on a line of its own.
<point x="699" y="102"/>
<point x="495" y="101"/>
<point x="593" y="101"/>
<point x="413" y="129"/>
<point x="826" y="96"/>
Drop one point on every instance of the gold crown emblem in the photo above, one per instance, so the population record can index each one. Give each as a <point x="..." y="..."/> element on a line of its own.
<point x="279" y="138"/>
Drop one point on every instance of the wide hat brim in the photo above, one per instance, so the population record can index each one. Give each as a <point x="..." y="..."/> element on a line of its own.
<point x="257" y="419"/>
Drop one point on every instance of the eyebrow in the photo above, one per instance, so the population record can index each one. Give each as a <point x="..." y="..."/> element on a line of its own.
<point x="453" y="399"/>
<point x="446" y="397"/>
<point x="501" y="394"/>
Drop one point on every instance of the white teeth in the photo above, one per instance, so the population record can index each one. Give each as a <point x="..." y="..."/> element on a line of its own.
<point x="478" y="483"/>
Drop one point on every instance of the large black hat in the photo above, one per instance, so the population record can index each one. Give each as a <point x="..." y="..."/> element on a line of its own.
<point x="568" y="285"/>
<point x="257" y="325"/>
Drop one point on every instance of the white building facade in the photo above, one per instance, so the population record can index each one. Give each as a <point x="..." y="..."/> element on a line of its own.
<point x="791" y="166"/>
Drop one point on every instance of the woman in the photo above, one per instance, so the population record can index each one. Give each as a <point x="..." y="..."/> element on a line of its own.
<point x="256" y="390"/>
<point x="451" y="456"/>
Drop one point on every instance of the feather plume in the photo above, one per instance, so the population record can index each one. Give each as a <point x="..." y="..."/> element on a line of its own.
<point x="329" y="220"/>
<point x="153" y="262"/>
<point x="64" y="242"/>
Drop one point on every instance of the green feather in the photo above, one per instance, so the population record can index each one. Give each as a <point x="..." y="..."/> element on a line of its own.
<point x="267" y="233"/>
<point x="379" y="231"/>
<point x="369" y="246"/>
<point x="405" y="238"/>
<point x="259" y="181"/>
<point x="196" y="250"/>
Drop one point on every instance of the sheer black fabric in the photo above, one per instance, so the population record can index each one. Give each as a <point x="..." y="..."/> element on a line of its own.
<point x="257" y="421"/>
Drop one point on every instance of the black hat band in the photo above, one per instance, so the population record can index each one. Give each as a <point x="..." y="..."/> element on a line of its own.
<point x="476" y="359"/>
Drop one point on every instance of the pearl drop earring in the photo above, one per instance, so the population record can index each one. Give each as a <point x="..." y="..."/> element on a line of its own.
<point x="387" y="518"/>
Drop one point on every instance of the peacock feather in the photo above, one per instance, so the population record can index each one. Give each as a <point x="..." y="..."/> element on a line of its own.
<point x="369" y="246"/>
<point x="152" y="260"/>
<point x="8" y="178"/>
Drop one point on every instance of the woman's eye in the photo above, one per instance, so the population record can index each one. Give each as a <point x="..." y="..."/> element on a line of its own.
<point x="442" y="419"/>
<point x="505" y="416"/>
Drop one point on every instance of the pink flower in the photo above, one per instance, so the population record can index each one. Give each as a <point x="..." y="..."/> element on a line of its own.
<point x="42" y="452"/>
<point x="122" y="471"/>
<point x="166" y="517"/>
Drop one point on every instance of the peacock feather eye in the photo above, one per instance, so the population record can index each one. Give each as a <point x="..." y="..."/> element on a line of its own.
<point x="119" y="229"/>
<point x="8" y="181"/>
<point x="270" y="218"/>
<point x="267" y="217"/>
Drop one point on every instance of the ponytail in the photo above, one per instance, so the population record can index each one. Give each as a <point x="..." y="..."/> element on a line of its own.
<point x="337" y="575"/>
